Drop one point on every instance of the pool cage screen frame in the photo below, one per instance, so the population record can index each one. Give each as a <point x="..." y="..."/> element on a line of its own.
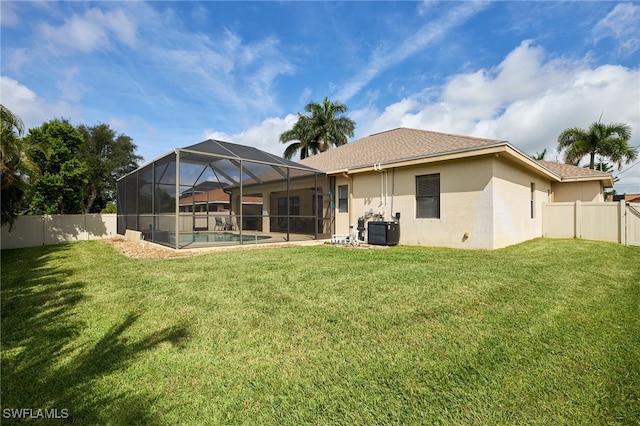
<point x="151" y="199"/>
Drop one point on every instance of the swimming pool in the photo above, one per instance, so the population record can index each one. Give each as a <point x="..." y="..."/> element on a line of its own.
<point x="215" y="237"/>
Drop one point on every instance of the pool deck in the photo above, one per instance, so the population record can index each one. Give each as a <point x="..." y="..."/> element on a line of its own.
<point x="274" y="240"/>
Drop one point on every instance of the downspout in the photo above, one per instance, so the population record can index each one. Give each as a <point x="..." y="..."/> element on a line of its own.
<point x="384" y="189"/>
<point x="393" y="187"/>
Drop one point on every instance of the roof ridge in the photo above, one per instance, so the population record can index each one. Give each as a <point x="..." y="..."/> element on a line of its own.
<point x="411" y="129"/>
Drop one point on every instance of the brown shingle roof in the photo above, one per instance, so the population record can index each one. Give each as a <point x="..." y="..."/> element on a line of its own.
<point x="394" y="146"/>
<point x="567" y="171"/>
<point x="407" y="144"/>
<point x="216" y="196"/>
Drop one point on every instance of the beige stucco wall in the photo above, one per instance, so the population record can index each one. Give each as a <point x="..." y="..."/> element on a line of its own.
<point x="577" y="191"/>
<point x="465" y="203"/>
<point x="513" y="223"/>
<point x="485" y="202"/>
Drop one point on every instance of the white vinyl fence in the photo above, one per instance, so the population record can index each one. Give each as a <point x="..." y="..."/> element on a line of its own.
<point x="616" y="222"/>
<point x="32" y="231"/>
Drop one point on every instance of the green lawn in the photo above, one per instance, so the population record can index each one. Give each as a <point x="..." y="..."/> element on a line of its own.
<point x="546" y="332"/>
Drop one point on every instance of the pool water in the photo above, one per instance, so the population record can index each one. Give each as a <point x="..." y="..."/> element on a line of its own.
<point x="225" y="237"/>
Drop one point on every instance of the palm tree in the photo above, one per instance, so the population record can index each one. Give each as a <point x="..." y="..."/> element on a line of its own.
<point x="322" y="128"/>
<point x="328" y="128"/>
<point x="540" y="155"/>
<point x="605" y="140"/>
<point x="15" y="163"/>
<point x="11" y="129"/>
<point x="300" y="132"/>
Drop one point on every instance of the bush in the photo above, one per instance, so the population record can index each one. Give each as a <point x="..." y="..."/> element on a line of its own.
<point x="110" y="208"/>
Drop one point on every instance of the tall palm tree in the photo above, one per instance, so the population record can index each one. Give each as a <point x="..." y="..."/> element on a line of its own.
<point x="11" y="155"/>
<point x="605" y="140"/>
<point x="318" y="130"/>
<point x="15" y="164"/>
<point x="328" y="128"/>
<point x="300" y="132"/>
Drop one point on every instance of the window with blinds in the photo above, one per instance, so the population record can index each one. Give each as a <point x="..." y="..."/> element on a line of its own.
<point x="428" y="196"/>
<point x="343" y="198"/>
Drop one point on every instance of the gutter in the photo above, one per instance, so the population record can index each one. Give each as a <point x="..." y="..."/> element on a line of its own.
<point x="501" y="147"/>
<point x="380" y="164"/>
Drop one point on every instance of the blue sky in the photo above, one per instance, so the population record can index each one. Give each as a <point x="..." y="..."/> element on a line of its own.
<point x="171" y="74"/>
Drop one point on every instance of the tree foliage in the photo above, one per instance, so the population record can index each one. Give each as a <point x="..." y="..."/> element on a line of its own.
<point x="16" y="165"/>
<point x="108" y="157"/>
<point x="322" y="127"/>
<point x="59" y="169"/>
<point x="540" y="155"/>
<point x="301" y="136"/>
<point x="63" y="178"/>
<point x="609" y="141"/>
<point x="109" y="208"/>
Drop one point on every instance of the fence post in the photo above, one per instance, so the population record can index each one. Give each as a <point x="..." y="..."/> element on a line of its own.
<point x="578" y="219"/>
<point x="622" y="210"/>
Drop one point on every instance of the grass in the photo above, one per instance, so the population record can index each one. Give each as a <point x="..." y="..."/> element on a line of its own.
<point x="546" y="332"/>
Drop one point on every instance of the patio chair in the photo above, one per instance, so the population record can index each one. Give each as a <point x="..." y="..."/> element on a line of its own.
<point x="229" y="225"/>
<point x="220" y="225"/>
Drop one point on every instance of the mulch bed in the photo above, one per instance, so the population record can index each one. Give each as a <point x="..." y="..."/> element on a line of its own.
<point x="145" y="250"/>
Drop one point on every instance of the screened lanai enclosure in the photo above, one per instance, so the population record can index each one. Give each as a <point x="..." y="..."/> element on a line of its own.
<point x="219" y="193"/>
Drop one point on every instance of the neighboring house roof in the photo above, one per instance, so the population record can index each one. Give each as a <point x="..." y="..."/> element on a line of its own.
<point x="216" y="196"/>
<point x="212" y="196"/>
<point x="405" y="146"/>
<point x="629" y="198"/>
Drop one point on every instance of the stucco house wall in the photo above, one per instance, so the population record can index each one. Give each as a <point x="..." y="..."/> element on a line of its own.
<point x="488" y="188"/>
<point x="512" y="196"/>
<point x="485" y="202"/>
<point x="465" y="207"/>
<point x="465" y="203"/>
<point x="589" y="191"/>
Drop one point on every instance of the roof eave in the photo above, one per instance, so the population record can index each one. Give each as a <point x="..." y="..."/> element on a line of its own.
<point x="607" y="180"/>
<point x="422" y="159"/>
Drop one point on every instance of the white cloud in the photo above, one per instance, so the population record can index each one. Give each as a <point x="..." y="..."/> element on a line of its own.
<point x="71" y="88"/>
<point x="261" y="136"/>
<point x="528" y="105"/>
<point x="8" y="15"/>
<point x="30" y="108"/>
<point x="14" y="59"/>
<point x="93" y="30"/>
<point x="622" y="24"/>
<point x="238" y="73"/>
